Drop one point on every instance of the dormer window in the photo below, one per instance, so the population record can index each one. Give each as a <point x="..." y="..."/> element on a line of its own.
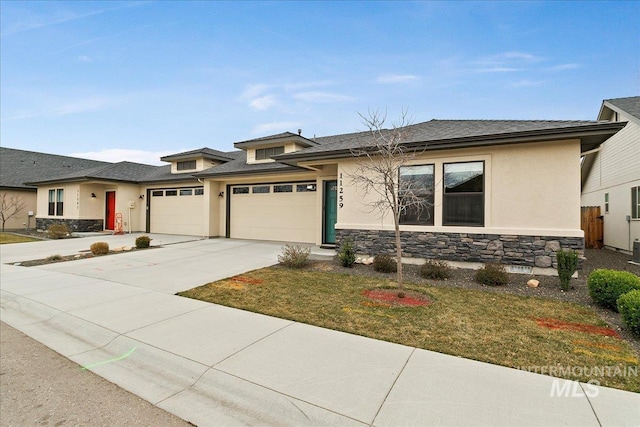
<point x="266" y="153"/>
<point x="186" y="165"/>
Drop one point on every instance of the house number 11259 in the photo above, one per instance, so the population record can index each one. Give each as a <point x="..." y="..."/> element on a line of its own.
<point x="340" y="192"/>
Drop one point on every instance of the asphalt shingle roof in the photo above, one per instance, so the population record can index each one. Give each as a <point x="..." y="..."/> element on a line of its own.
<point x="239" y="166"/>
<point x="206" y="152"/>
<point x="629" y="105"/>
<point x="121" y="171"/>
<point x="20" y="166"/>
<point x="440" y="130"/>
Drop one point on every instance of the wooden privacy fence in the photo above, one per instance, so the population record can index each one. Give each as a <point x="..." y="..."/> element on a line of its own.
<point x="592" y="223"/>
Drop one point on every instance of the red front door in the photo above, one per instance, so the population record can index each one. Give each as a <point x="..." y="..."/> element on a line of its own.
<point x="110" y="214"/>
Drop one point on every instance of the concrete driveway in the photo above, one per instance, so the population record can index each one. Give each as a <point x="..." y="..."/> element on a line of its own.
<point x="214" y="365"/>
<point x="176" y="263"/>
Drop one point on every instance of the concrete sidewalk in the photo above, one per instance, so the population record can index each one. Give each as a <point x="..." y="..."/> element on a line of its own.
<point x="213" y="365"/>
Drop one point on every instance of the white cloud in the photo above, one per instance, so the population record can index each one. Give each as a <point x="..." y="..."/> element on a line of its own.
<point x="396" y="78"/>
<point x="264" y="102"/>
<point x="526" y="83"/>
<point x="121" y="154"/>
<point x="563" y="67"/>
<point x="497" y="70"/>
<point x="80" y="106"/>
<point x="253" y="91"/>
<point x="317" y="96"/>
<point x="275" y="127"/>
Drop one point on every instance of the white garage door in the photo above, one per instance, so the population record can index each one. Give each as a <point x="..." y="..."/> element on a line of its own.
<point x="281" y="212"/>
<point x="177" y="211"/>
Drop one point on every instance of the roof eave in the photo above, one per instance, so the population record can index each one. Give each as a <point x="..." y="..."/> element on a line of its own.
<point x="256" y="143"/>
<point x="289" y="168"/>
<point x="596" y="134"/>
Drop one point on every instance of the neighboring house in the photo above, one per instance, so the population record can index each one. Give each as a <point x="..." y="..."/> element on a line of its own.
<point x="19" y="166"/>
<point x="502" y="191"/>
<point x="611" y="175"/>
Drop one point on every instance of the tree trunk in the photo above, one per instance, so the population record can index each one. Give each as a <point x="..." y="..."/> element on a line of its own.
<point x="396" y="220"/>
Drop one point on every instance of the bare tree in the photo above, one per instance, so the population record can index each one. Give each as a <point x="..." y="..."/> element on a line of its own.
<point x="10" y="207"/>
<point x="380" y="158"/>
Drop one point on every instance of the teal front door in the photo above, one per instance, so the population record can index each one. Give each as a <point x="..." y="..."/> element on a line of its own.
<point x="330" y="211"/>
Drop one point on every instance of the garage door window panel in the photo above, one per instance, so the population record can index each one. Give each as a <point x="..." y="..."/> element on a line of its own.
<point x="241" y="190"/>
<point x="261" y="189"/>
<point x="286" y="188"/>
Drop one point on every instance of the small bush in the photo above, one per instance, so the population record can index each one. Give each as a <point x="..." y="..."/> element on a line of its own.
<point x="54" y="258"/>
<point x="435" y="269"/>
<point x="58" y="231"/>
<point x="385" y="263"/>
<point x="629" y="308"/>
<point x="294" y="256"/>
<point x="99" y="248"/>
<point x="492" y="275"/>
<point x="143" y="242"/>
<point x="347" y="253"/>
<point x="567" y="265"/>
<point x="606" y="286"/>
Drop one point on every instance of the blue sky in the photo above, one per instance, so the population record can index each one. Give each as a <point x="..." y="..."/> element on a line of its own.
<point x="137" y="80"/>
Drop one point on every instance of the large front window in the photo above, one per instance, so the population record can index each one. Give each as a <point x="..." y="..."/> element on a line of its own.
<point x="463" y="198"/>
<point x="56" y="202"/>
<point x="416" y="194"/>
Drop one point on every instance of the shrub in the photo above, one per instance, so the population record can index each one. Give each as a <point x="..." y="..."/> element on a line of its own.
<point x="434" y="269"/>
<point x="347" y="254"/>
<point x="53" y="258"/>
<point x="606" y="286"/>
<point x="492" y="275"/>
<point x="629" y="308"/>
<point x="294" y="256"/>
<point x="567" y="265"/>
<point x="99" y="248"/>
<point x="385" y="263"/>
<point x="143" y="242"/>
<point x="58" y="231"/>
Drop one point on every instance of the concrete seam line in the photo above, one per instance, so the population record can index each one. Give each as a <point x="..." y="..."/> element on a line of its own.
<point x="590" y="404"/>
<point x="392" y="386"/>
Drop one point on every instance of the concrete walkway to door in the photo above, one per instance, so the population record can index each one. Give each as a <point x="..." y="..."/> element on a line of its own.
<point x="214" y="365"/>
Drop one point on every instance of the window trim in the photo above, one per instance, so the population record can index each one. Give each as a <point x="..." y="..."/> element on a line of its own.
<point x="186" y="165"/>
<point x="56" y="202"/>
<point x="432" y="195"/>
<point x="448" y="196"/>
<point x="606" y="203"/>
<point x="635" y="215"/>
<point x="268" y="152"/>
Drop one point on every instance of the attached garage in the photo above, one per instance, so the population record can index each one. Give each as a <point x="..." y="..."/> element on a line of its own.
<point x="279" y="212"/>
<point x="176" y="210"/>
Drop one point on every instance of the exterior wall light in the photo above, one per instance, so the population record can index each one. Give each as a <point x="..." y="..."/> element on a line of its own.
<point x="221" y="194"/>
<point x="93" y="195"/>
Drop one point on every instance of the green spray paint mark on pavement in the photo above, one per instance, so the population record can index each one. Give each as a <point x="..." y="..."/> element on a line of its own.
<point x="115" y="359"/>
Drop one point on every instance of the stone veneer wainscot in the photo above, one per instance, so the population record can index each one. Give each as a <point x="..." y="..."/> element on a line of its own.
<point x="73" y="224"/>
<point x="533" y="251"/>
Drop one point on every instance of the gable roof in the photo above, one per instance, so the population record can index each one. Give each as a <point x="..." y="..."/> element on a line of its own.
<point x="447" y="134"/>
<point x="239" y="166"/>
<point x="630" y="105"/>
<point x="279" y="137"/>
<point x="205" y="152"/>
<point x="120" y="172"/>
<point x="17" y="167"/>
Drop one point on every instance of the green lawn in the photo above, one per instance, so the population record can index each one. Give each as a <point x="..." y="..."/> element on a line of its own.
<point x="502" y="329"/>
<point x="14" y="238"/>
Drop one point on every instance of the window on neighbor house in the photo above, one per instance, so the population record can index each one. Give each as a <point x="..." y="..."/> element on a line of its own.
<point x="606" y="202"/>
<point x="463" y="198"/>
<point x="266" y="153"/>
<point x="186" y="165"/>
<point x="635" y="202"/>
<point x="419" y="181"/>
<point x="56" y="202"/>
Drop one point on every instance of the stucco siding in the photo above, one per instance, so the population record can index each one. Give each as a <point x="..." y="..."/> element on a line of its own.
<point x="530" y="189"/>
<point x="21" y="220"/>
